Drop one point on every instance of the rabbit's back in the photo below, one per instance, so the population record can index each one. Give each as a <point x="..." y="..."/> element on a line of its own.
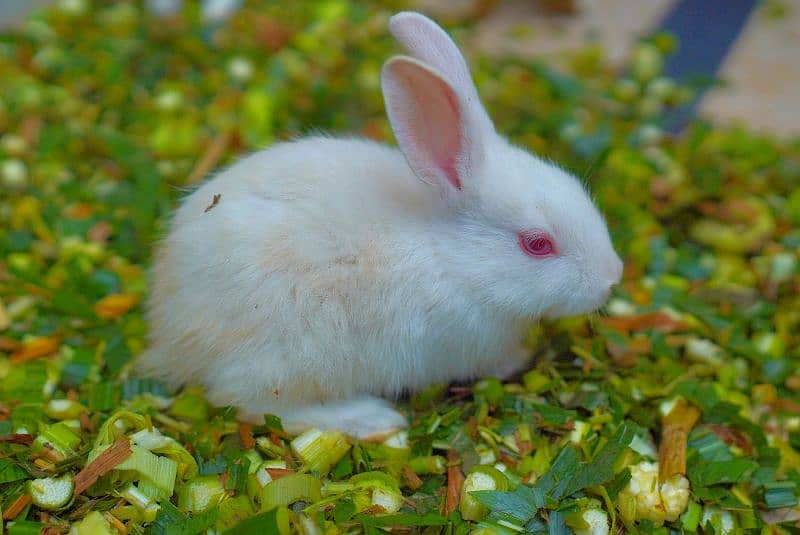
<point x="289" y="252"/>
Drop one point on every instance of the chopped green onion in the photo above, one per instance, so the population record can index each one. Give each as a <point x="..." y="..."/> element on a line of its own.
<point x="104" y="396"/>
<point x="379" y="489"/>
<point x="201" y="494"/>
<point x="144" y="503"/>
<point x="535" y="381"/>
<point x="290" y="489"/>
<point x="480" y="478"/>
<point x="233" y="511"/>
<point x="63" y="409"/>
<point x="130" y="512"/>
<point x="748" y="519"/>
<point x="395" y="447"/>
<point x="432" y="464"/>
<point x="490" y="389"/>
<point x="270" y="448"/>
<point x="52" y="493"/>
<point x="59" y="437"/>
<point x="237" y="474"/>
<point x="320" y="450"/>
<point x="118" y="424"/>
<point x="389" y="501"/>
<point x="160" y="471"/>
<point x="150" y="489"/>
<point x="308" y="525"/>
<point x="259" y="479"/>
<point x="580" y="429"/>
<point x="25" y="527"/>
<point x="190" y="405"/>
<point x="254" y="461"/>
<point x="92" y="524"/>
<point x="780" y="494"/>
<point x="153" y="440"/>
<point x="590" y="521"/>
<point x="274" y="521"/>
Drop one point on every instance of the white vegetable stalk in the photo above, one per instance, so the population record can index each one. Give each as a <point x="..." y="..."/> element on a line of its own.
<point x="479" y="478"/>
<point x="50" y="493"/>
<point x="320" y="450"/>
<point x="597" y="522"/>
<point x="645" y="499"/>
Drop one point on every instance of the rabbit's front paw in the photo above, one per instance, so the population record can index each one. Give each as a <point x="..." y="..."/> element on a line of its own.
<point x="366" y="418"/>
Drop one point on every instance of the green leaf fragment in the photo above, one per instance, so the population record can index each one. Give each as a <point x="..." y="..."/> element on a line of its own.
<point x="11" y="471"/>
<point x="273" y="522"/>
<point x="29" y="527"/>
<point x="402" y="520"/>
<point x="780" y="494"/>
<point x="521" y="504"/>
<point x="713" y="473"/>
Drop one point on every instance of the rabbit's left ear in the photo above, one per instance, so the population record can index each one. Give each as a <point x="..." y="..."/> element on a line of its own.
<point x="439" y="134"/>
<point x="429" y="43"/>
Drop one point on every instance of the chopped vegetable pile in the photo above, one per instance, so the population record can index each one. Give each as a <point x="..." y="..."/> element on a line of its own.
<point x="677" y="410"/>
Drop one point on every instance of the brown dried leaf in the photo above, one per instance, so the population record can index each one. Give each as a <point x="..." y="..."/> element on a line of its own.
<point x="115" y="305"/>
<point x="246" y="435"/>
<point x="17" y="438"/>
<point x="659" y="321"/>
<point x="411" y="479"/>
<point x="36" y="348"/>
<point x="277" y="473"/>
<point x="100" y="232"/>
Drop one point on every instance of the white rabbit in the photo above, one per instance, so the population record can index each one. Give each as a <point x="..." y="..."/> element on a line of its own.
<point x="311" y="278"/>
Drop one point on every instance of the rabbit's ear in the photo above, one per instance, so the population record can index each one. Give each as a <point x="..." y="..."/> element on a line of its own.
<point x="429" y="43"/>
<point x="440" y="137"/>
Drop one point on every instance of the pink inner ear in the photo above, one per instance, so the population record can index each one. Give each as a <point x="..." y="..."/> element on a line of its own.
<point x="448" y="165"/>
<point x="450" y="172"/>
<point x="428" y="122"/>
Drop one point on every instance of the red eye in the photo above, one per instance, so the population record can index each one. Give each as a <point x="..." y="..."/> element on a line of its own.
<point x="536" y="244"/>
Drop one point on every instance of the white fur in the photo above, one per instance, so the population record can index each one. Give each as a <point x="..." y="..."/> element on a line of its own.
<point x="328" y="273"/>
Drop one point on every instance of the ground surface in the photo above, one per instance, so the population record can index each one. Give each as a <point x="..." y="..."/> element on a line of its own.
<point x="677" y="410"/>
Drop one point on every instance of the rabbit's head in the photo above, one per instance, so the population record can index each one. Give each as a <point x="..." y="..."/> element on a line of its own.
<point x="521" y="233"/>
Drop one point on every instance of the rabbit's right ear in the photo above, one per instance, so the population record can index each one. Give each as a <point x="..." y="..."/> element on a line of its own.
<point x="437" y="131"/>
<point x="429" y="43"/>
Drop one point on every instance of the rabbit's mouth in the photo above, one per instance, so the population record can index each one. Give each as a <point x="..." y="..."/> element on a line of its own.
<point x="577" y="306"/>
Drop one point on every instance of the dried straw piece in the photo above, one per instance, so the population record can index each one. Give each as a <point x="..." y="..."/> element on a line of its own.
<point x="36" y="348"/>
<point x="246" y="435"/>
<point x="210" y="158"/>
<point x="675" y="429"/>
<point x="455" y="480"/>
<point x="16" y="507"/>
<point x="102" y="464"/>
<point x="411" y="479"/>
<point x="17" y="438"/>
<point x="277" y="473"/>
